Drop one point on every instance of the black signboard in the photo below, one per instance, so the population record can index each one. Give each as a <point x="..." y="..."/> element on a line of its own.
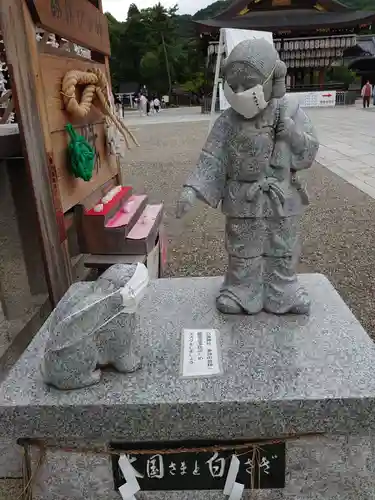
<point x="202" y="470"/>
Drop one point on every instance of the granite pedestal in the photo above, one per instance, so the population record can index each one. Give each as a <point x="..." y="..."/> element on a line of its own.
<point x="282" y="376"/>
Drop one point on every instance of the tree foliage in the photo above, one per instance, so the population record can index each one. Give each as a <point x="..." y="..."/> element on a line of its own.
<point x="155" y="47"/>
<point x="342" y="74"/>
<point x="212" y="10"/>
<point x="360" y="4"/>
<point x="133" y="11"/>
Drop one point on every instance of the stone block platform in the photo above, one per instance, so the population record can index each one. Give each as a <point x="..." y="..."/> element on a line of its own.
<point x="281" y="376"/>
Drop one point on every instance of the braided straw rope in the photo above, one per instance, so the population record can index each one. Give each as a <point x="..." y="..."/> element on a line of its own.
<point x="95" y="87"/>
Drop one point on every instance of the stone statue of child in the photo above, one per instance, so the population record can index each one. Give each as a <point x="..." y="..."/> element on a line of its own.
<point x="249" y="165"/>
<point x="93" y="326"/>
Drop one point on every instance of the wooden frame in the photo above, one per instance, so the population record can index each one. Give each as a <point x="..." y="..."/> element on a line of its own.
<point x="36" y="72"/>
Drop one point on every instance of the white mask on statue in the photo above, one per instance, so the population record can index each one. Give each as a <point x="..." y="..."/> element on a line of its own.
<point x="250" y="102"/>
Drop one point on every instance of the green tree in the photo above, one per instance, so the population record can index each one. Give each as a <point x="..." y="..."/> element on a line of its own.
<point x="342" y="74"/>
<point x="150" y="63"/>
<point x="133" y="10"/>
<point x="115" y="29"/>
<point x="163" y="32"/>
<point x="195" y="84"/>
<point x="156" y="47"/>
<point x="212" y="10"/>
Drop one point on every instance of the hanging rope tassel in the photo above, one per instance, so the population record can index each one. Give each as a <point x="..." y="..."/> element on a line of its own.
<point x="95" y="88"/>
<point x="82" y="155"/>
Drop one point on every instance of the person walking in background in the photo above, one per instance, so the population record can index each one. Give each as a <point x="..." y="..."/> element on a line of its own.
<point x="142" y="105"/>
<point x="118" y="103"/>
<point x="147" y="105"/>
<point x="156" y="104"/>
<point x="366" y="94"/>
<point x="152" y="109"/>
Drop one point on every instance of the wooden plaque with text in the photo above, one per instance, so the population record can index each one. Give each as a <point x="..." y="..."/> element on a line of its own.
<point x="76" y="20"/>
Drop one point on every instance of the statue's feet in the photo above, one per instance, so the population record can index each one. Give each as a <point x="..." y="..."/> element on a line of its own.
<point x="227" y="305"/>
<point x="301" y="305"/>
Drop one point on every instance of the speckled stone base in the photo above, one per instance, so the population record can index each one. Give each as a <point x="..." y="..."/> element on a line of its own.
<point x="282" y="375"/>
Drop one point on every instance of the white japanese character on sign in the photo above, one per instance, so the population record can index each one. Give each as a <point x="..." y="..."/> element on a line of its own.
<point x="183" y="468"/>
<point x="196" y="469"/>
<point x="172" y="469"/>
<point x="155" y="467"/>
<point x="249" y="469"/>
<point x="216" y="465"/>
<point x="265" y="465"/>
<point x="200" y="346"/>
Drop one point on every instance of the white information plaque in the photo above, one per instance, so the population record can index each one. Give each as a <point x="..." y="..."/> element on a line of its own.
<point x="200" y="355"/>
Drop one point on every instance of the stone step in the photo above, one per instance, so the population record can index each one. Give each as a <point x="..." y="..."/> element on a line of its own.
<point x="127" y="216"/>
<point x="105" y="209"/>
<point x="142" y="238"/>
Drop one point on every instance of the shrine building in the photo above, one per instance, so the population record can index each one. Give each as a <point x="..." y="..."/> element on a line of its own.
<point x="311" y="36"/>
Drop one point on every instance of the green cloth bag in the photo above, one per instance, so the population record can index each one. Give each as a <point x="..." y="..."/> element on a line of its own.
<point x="82" y="155"/>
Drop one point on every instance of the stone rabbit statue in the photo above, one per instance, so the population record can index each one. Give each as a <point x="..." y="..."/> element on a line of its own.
<point x="249" y="166"/>
<point x="92" y="326"/>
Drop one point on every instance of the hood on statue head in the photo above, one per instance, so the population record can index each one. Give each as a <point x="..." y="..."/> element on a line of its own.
<point x="253" y="76"/>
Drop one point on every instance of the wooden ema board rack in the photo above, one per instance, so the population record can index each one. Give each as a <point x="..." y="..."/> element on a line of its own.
<point x="37" y="70"/>
<point x="71" y="189"/>
<point x="119" y="223"/>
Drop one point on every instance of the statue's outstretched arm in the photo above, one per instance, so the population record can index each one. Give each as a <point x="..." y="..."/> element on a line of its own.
<point x="207" y="180"/>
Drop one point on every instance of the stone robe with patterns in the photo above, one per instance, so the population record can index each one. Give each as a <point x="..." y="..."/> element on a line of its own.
<point x="250" y="169"/>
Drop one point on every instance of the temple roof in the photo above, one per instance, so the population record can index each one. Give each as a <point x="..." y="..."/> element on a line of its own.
<point x="292" y="20"/>
<point x="365" y="46"/>
<point x="239" y="7"/>
<point x="363" y="65"/>
<point x="288" y="15"/>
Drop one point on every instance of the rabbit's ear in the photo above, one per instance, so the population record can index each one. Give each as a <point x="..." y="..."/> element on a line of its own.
<point x="279" y="75"/>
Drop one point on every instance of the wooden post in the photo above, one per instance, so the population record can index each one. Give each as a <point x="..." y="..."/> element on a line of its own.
<point x="22" y="54"/>
<point x="216" y="79"/>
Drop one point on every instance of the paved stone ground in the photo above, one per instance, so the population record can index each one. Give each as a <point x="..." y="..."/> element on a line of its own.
<point x="347" y="137"/>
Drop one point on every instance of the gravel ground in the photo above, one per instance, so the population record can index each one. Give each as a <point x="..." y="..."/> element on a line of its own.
<point x="337" y="228"/>
<point x="10" y="489"/>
